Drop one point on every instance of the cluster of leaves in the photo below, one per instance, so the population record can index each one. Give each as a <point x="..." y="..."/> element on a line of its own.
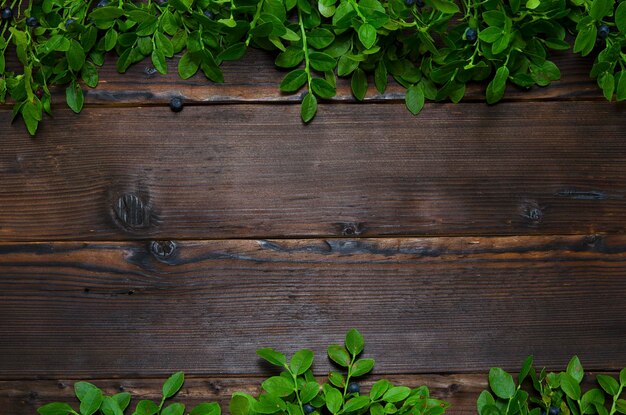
<point x="433" y="48"/>
<point x="553" y="393"/>
<point x="295" y="391"/>
<point x="93" y="401"/>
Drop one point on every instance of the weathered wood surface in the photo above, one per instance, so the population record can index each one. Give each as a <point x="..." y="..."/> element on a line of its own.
<point x="24" y="397"/>
<point x="254" y="171"/>
<point x="256" y="79"/>
<point x="431" y="305"/>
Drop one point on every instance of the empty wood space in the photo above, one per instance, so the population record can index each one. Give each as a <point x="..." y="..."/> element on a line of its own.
<point x="135" y="242"/>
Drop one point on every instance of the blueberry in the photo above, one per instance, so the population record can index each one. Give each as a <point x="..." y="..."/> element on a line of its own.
<point x="32" y="22"/>
<point x="39" y="93"/>
<point x="102" y="3"/>
<point x="603" y="31"/>
<point x="161" y="2"/>
<point x="409" y="2"/>
<point x="209" y="14"/>
<point x="420" y="3"/>
<point x="176" y="104"/>
<point x="471" y="35"/>
<point x="353" y="387"/>
<point x="554" y="410"/>
<point x="7" y="13"/>
<point x="308" y="409"/>
<point x="69" y="22"/>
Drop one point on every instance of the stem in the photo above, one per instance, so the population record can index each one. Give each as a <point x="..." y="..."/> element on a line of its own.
<point x="257" y="14"/>
<point x="615" y="400"/>
<point x="307" y="68"/>
<point x="345" y="387"/>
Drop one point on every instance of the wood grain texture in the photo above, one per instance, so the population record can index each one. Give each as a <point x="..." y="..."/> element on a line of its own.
<point x="254" y="171"/>
<point x="24" y="397"/>
<point x="444" y="305"/>
<point x="256" y="79"/>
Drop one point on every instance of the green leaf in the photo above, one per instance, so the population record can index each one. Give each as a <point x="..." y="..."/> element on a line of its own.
<point x="301" y="361"/>
<point x="268" y="404"/>
<point x="362" y="366"/>
<point x="339" y="355"/>
<point x="309" y="391"/>
<point x="320" y="38"/>
<point x="146" y="407"/>
<point x="289" y="58"/>
<point x="396" y="394"/>
<point x="533" y="4"/>
<point x="272" y="356"/>
<point x="495" y="92"/>
<point x="233" y="52"/>
<point x="293" y="81"/>
<point x="188" y="65"/>
<point x="239" y="404"/>
<point x="212" y="408"/>
<point x="620" y="405"/>
<point x="377" y="409"/>
<point x="500" y="382"/>
<point x="414" y="98"/>
<point x="111" y="407"/>
<point x="75" y="56"/>
<point x="322" y="88"/>
<point x="104" y="14"/>
<point x="334" y="399"/>
<point x="490" y="34"/>
<point x="570" y="386"/>
<point x="110" y="40"/>
<point x="81" y="389"/>
<point x="590" y="400"/>
<point x="278" y="386"/>
<point x="55" y="408"/>
<point x="356" y="403"/>
<point x="359" y="89"/>
<point x="337" y="379"/>
<point x="89" y="74"/>
<point x="158" y="60"/>
<point x="526" y="368"/>
<point x="379" y="388"/>
<point x="585" y="40"/>
<point x="608" y="383"/>
<point x="445" y="6"/>
<point x="484" y="399"/>
<point x="308" y="107"/>
<point x="322" y="62"/>
<point x="174" y="409"/>
<point x="621" y="95"/>
<point x="367" y="35"/>
<point x="620" y="17"/>
<point x="380" y="77"/>
<point x="163" y="44"/>
<point x="91" y="402"/>
<point x="601" y="8"/>
<point x="622" y="377"/>
<point x="354" y="342"/>
<point x="122" y="399"/>
<point x="74" y="97"/>
<point x="575" y="369"/>
<point x="173" y="384"/>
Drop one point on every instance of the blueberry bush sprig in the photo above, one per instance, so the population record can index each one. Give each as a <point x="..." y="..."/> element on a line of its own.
<point x="554" y="393"/>
<point x="433" y="48"/>
<point x="296" y="391"/>
<point x="94" y="402"/>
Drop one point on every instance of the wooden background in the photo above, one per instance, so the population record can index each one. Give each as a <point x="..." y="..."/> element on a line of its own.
<point x="135" y="241"/>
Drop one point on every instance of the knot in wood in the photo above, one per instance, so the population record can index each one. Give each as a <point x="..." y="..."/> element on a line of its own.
<point x="162" y="249"/>
<point x="131" y="211"/>
<point x="351" y="229"/>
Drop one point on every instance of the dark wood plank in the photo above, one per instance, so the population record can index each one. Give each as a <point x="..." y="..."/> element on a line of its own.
<point x="256" y="79"/>
<point x="24" y="397"/>
<point x="254" y="171"/>
<point x="443" y="305"/>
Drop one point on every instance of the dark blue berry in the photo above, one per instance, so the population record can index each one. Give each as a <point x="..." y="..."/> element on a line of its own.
<point x="102" y="3"/>
<point x="554" y="410"/>
<point x="471" y="35"/>
<point x="69" y="22"/>
<point x="308" y="409"/>
<point x="603" y="31"/>
<point x="39" y="93"/>
<point x="209" y="14"/>
<point x="353" y="387"/>
<point x="409" y="2"/>
<point x="420" y="3"/>
<point x="32" y="22"/>
<point x="176" y="104"/>
<point x="7" y="13"/>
